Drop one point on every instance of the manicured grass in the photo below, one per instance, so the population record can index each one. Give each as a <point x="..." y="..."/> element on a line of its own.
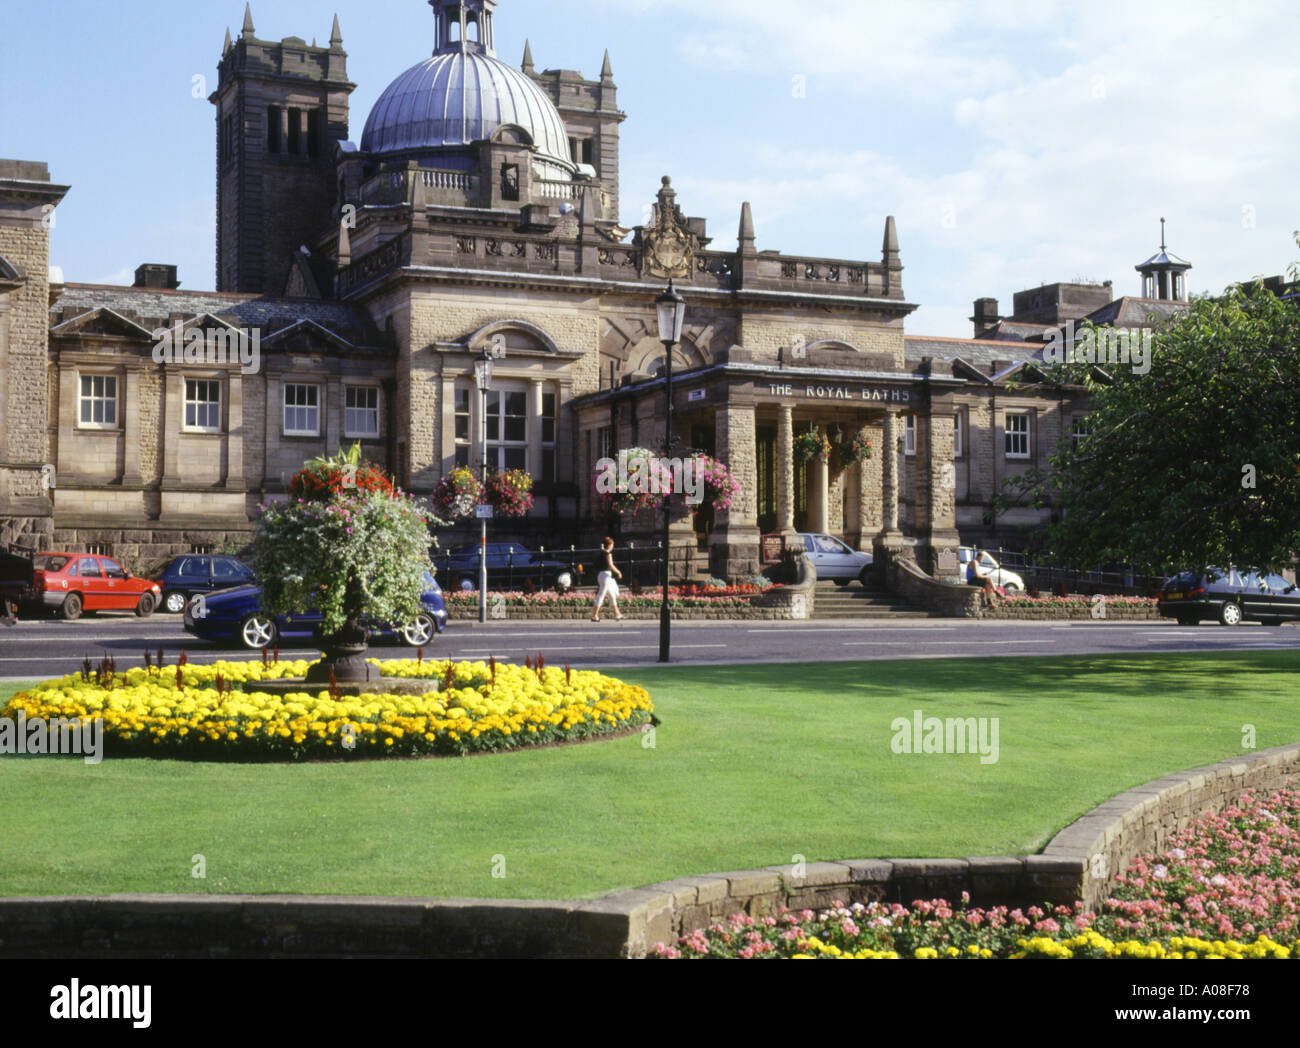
<point x="752" y="765"/>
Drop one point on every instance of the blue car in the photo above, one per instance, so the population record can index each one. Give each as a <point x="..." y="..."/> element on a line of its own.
<point x="236" y="615"/>
<point x="186" y="577"/>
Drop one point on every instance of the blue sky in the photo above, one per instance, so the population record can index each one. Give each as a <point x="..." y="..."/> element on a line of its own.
<point x="1016" y="143"/>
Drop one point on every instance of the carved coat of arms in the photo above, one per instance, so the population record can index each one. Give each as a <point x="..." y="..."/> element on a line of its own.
<point x="667" y="246"/>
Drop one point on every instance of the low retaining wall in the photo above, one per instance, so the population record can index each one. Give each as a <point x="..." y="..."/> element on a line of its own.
<point x="905" y="578"/>
<point x="1074" y="613"/>
<point x="1081" y="862"/>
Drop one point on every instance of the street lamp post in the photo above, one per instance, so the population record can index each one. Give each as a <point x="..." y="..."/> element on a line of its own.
<point x="671" y="308"/>
<point x="483" y="378"/>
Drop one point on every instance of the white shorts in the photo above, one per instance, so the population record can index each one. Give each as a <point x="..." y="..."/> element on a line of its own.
<point x="608" y="588"/>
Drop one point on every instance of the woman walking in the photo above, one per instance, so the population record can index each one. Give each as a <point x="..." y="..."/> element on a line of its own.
<point x="607" y="586"/>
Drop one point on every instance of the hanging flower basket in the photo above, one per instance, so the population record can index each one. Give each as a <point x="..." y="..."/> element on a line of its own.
<point x="856" y="450"/>
<point x="635" y="479"/>
<point x="809" y="446"/>
<point x="720" y="485"/>
<point x="457" y="494"/>
<point x="510" y="493"/>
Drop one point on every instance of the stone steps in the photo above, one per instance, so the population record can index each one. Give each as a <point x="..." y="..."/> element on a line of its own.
<point x="855" y="602"/>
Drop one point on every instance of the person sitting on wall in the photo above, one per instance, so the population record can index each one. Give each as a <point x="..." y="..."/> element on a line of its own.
<point x="976" y="574"/>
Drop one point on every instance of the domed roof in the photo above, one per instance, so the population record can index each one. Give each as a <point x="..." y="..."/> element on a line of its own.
<point x="458" y="97"/>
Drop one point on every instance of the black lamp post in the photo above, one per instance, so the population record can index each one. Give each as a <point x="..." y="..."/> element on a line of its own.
<point x="672" y="311"/>
<point x="483" y="378"/>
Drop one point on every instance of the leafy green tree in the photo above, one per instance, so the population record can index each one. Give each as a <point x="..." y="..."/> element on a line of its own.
<point x="1196" y="462"/>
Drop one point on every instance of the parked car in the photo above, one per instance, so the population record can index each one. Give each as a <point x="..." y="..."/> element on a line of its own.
<point x="836" y="560"/>
<point x="1231" y="596"/>
<point x="188" y="576"/>
<point x="236" y="616"/>
<point x="508" y="564"/>
<point x="71" y="583"/>
<point x="989" y="569"/>
<point x="16" y="576"/>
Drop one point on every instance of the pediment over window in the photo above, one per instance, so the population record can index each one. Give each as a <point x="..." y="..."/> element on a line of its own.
<point x="516" y="337"/>
<point x="103" y="322"/>
<point x="512" y="135"/>
<point x="308" y="336"/>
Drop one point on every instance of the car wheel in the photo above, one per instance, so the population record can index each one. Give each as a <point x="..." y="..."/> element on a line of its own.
<point x="1011" y="587"/>
<point x="467" y="585"/>
<point x="1270" y="622"/>
<point x="71" y="608"/>
<point x="865" y="578"/>
<point x="174" y="601"/>
<point x="145" y="608"/>
<point x="420" y="632"/>
<point x="841" y="582"/>
<point x="1230" y="614"/>
<point x="257" y="632"/>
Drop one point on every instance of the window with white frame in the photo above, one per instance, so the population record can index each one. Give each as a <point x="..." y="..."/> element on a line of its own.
<point x="548" y="420"/>
<point x="1017" y="434"/>
<point x="1079" y="431"/>
<point x="958" y="442"/>
<point x="909" y="435"/>
<point x="361" y="411"/>
<point x="202" y="405"/>
<point x="463" y="441"/>
<point x="301" y="410"/>
<point x="98" y="402"/>
<point x="507" y="429"/>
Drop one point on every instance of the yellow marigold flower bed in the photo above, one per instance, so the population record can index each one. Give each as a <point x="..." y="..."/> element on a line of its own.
<point x="467" y="710"/>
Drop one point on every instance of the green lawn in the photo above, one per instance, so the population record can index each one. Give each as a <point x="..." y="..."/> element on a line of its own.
<point x="752" y="765"/>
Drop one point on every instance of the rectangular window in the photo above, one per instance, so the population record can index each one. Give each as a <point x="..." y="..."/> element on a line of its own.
<point x="1079" y="432"/>
<point x="462" y="427"/>
<point x="604" y="443"/>
<point x="315" y="129"/>
<point x="98" y="402"/>
<point x="273" y="129"/>
<point x="1017" y="435"/>
<point x="295" y="131"/>
<point x="301" y="410"/>
<point x="361" y="411"/>
<point x="958" y="440"/>
<point x="589" y="152"/>
<point x="909" y="436"/>
<point x="548" y="421"/>
<point x="202" y="405"/>
<point x="507" y="430"/>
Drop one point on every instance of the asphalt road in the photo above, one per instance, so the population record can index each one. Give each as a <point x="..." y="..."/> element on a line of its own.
<point x="40" y="649"/>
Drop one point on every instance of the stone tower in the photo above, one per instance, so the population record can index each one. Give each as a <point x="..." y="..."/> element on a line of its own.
<point x="27" y="203"/>
<point x="280" y="109"/>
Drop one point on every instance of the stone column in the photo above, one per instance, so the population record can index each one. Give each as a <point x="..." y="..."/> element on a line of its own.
<point x="235" y="432"/>
<point x="734" y="553"/>
<point x="935" y="492"/>
<point x="131" y="420"/>
<point x="870" y="472"/>
<point x="818" y="493"/>
<point x="889" y="541"/>
<point x="785" y="472"/>
<point x="535" y="389"/>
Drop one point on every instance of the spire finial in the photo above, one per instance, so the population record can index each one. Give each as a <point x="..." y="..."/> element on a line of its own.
<point x="336" y="35"/>
<point x="1162" y="234"/>
<point x="746" y="226"/>
<point x="527" y="65"/>
<point x="226" y="46"/>
<point x="606" y="70"/>
<point x="248" y="22"/>
<point x="890" y="245"/>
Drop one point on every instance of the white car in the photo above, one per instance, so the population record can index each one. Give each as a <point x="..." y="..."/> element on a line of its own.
<point x="989" y="569"/>
<point x="837" y="561"/>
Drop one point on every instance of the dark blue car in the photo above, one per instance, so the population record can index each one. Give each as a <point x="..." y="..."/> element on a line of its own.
<point x="186" y="577"/>
<point x="236" y="615"/>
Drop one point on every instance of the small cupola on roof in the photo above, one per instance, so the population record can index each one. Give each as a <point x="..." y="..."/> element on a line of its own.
<point x="462" y="95"/>
<point x="1164" y="274"/>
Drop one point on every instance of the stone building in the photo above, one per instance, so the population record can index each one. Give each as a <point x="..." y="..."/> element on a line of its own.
<point x="356" y="284"/>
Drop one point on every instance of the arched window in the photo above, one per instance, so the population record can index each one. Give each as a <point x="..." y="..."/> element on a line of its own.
<point x="471" y="30"/>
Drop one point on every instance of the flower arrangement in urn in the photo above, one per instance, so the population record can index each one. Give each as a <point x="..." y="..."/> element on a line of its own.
<point x="349" y="544"/>
<point x="812" y="445"/>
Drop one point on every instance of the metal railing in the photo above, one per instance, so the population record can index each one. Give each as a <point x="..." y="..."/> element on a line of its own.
<point x="518" y="568"/>
<point x="1040" y="574"/>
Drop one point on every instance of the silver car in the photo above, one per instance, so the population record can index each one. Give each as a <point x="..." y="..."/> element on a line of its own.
<point x="837" y="561"/>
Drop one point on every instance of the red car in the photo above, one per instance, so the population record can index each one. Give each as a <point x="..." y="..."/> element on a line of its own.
<point x="72" y="582"/>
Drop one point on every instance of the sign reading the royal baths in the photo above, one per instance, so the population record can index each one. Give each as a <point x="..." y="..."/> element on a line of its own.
<point x="834" y="391"/>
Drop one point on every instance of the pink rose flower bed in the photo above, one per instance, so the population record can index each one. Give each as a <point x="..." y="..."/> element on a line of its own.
<point x="688" y="597"/>
<point x="1227" y="886"/>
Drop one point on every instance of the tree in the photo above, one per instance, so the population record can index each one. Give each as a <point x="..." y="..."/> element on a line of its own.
<point x="1196" y="462"/>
